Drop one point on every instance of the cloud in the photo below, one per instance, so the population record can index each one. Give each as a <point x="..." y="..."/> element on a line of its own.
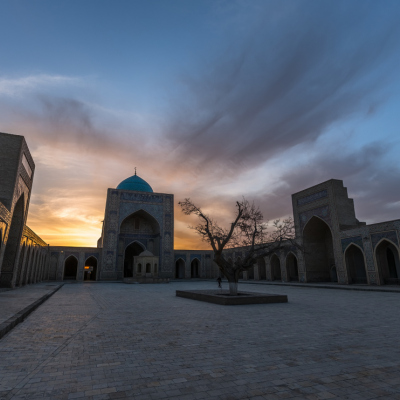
<point x="371" y="182"/>
<point x="297" y="73"/>
<point x="15" y="87"/>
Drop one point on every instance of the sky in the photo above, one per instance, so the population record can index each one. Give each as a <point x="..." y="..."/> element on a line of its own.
<point x="211" y="100"/>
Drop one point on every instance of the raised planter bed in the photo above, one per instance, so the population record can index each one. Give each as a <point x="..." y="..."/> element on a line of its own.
<point x="222" y="297"/>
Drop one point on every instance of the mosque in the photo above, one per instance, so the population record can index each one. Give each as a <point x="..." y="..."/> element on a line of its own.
<point x="137" y="238"/>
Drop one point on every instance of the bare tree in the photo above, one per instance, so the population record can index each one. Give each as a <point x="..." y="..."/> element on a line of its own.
<point x="248" y="231"/>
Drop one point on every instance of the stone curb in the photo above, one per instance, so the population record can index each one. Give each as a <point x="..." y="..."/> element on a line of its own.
<point x="300" y="285"/>
<point x="12" y="322"/>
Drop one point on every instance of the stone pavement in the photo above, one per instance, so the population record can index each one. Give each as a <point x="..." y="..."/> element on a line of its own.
<point x="17" y="304"/>
<point x="117" y="341"/>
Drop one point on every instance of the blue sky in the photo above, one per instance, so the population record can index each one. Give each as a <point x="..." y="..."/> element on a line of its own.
<point x="209" y="99"/>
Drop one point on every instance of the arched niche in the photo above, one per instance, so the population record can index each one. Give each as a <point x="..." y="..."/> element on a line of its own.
<point x="292" y="267"/>
<point x="141" y="223"/>
<point x="90" y="269"/>
<point x="131" y="251"/>
<point x="180" y="269"/>
<point x="9" y="268"/>
<point x="194" y="268"/>
<point x="276" y="274"/>
<point x="70" y="268"/>
<point x="355" y="264"/>
<point x="388" y="262"/>
<point x="318" y="250"/>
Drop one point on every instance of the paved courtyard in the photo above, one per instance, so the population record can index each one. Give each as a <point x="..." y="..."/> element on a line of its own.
<point x="117" y="341"/>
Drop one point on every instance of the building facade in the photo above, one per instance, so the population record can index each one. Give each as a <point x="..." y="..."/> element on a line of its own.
<point x="137" y="239"/>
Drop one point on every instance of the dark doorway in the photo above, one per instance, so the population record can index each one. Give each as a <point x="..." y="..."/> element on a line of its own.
<point x="387" y="257"/>
<point x="318" y="250"/>
<point x="276" y="274"/>
<point x="70" y="268"/>
<point x="12" y="246"/>
<point x="133" y="250"/>
<point x="194" y="268"/>
<point x="90" y="269"/>
<point x="292" y="268"/>
<point x="355" y="265"/>
<point x="180" y="269"/>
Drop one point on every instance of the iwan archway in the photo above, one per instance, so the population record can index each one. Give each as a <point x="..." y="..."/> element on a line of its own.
<point x="318" y="250"/>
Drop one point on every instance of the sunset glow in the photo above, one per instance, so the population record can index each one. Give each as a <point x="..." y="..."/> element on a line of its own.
<point x="212" y="100"/>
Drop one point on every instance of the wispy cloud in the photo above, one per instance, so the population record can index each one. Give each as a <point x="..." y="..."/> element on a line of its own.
<point x="15" y="87"/>
<point x="293" y="76"/>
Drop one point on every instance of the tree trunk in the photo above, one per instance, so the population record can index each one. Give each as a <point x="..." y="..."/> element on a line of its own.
<point x="233" y="288"/>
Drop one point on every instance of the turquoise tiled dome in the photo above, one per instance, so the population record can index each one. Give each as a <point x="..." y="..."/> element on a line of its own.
<point x="135" y="183"/>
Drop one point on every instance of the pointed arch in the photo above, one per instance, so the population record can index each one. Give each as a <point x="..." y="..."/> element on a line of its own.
<point x="70" y="268"/>
<point x="133" y="249"/>
<point x="292" y="267"/>
<point x="387" y="260"/>
<point x="195" y="268"/>
<point x="318" y="250"/>
<point x="276" y="273"/>
<point x="354" y="259"/>
<point x="139" y="220"/>
<point x="262" y="271"/>
<point x="180" y="265"/>
<point x="9" y="264"/>
<point x="90" y="274"/>
<point x="21" y="264"/>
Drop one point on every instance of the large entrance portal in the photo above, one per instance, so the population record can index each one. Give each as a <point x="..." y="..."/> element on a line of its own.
<point x="70" y="268"/>
<point x="194" y="268"/>
<point x="355" y="265"/>
<point x="134" y="249"/>
<point x="90" y="269"/>
<point x="318" y="250"/>
<point x="180" y="269"/>
<point x="276" y="274"/>
<point x="8" y="269"/>
<point x="292" y="268"/>
<point x="387" y="257"/>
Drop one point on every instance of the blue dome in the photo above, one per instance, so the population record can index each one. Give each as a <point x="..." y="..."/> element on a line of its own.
<point x="135" y="183"/>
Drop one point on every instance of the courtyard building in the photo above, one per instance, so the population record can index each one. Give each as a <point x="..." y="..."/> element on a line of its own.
<point x="137" y="238"/>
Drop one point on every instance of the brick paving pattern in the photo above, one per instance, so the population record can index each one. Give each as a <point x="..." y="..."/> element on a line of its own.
<point x="117" y="341"/>
<point x="13" y="301"/>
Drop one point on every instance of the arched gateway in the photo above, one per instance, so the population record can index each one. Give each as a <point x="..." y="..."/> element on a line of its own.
<point x="318" y="250"/>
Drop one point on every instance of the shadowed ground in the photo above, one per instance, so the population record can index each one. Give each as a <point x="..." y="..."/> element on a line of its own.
<point x="104" y="341"/>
